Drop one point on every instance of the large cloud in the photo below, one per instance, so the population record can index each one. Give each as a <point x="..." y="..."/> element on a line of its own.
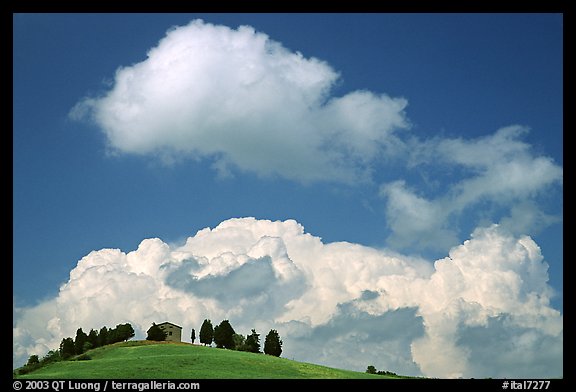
<point x="246" y="102"/>
<point x="484" y="311"/>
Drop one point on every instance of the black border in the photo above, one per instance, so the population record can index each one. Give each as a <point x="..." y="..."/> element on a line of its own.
<point x="9" y="7"/>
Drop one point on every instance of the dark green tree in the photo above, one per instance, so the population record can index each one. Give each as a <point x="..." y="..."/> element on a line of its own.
<point x="81" y="339"/>
<point x="371" y="369"/>
<point x="112" y="336"/>
<point x="33" y="360"/>
<point x="51" y="356"/>
<point x="224" y="335"/>
<point x="193" y="336"/>
<point x="87" y="346"/>
<point x="206" y="332"/>
<point x="125" y="332"/>
<point x="103" y="336"/>
<point x="32" y="364"/>
<point x="252" y="342"/>
<point x="239" y="342"/>
<point x="93" y="338"/>
<point x="273" y="343"/>
<point x="215" y="334"/>
<point x="121" y="333"/>
<point x="156" y="333"/>
<point x="67" y="348"/>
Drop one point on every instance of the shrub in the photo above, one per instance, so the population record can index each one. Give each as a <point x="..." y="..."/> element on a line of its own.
<point x="83" y="357"/>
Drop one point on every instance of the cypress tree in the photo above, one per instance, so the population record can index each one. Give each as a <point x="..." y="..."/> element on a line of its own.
<point x="93" y="338"/>
<point x="206" y="332"/>
<point x="273" y="343"/>
<point x="81" y="339"/>
<point x="253" y="342"/>
<point x="67" y="348"/>
<point x="103" y="336"/>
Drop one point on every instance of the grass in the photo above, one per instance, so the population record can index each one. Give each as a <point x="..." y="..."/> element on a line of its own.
<point x="164" y="360"/>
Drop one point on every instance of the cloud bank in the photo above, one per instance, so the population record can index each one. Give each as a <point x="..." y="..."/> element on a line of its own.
<point x="483" y="311"/>
<point x="245" y="102"/>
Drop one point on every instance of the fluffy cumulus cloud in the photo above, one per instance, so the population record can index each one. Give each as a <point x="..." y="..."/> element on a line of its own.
<point x="245" y="102"/>
<point x="483" y="311"/>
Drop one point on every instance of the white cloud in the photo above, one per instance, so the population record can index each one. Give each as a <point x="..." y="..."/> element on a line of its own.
<point x="489" y="277"/>
<point x="413" y="218"/>
<point x="503" y="146"/>
<point x="244" y="101"/>
<point x="340" y="304"/>
<point x="526" y="217"/>
<point x="499" y="169"/>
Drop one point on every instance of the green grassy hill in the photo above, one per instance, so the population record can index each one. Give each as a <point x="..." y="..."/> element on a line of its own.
<point x="163" y="360"/>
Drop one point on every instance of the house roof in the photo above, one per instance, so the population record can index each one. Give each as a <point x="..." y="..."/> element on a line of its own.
<point x="167" y="322"/>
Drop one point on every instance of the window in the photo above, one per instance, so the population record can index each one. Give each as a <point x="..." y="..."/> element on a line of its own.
<point x="170" y="333"/>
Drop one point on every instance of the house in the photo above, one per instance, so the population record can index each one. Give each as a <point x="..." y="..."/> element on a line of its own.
<point x="173" y="331"/>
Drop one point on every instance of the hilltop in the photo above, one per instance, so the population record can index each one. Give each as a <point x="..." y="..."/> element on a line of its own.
<point x="168" y="360"/>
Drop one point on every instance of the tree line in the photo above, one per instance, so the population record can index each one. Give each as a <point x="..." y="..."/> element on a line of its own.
<point x="372" y="370"/>
<point x="224" y="336"/>
<point x="79" y="345"/>
<point x="84" y="342"/>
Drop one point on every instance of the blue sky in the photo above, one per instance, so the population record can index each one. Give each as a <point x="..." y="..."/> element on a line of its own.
<point x="399" y="132"/>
